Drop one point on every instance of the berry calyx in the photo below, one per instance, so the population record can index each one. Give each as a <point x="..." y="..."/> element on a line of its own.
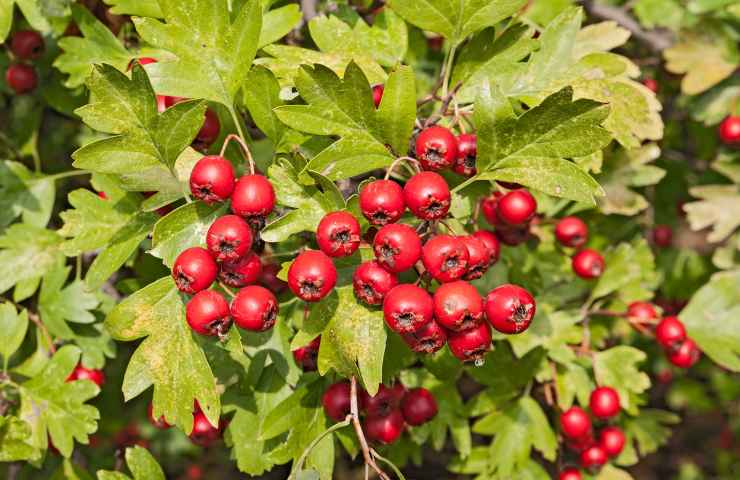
<point x="372" y="282"/>
<point x="312" y="276"/>
<point x="479" y="257"/>
<point x="510" y="308"/>
<point x="81" y="373"/>
<point x="254" y="308"/>
<point x="208" y="133"/>
<point x="27" y="44"/>
<point x="593" y="458"/>
<point x="571" y="232"/>
<point x="338" y="234"/>
<point x="670" y="332"/>
<point x="428" y="339"/>
<point x="467" y="151"/>
<point x="406" y="308"/>
<point x="194" y="270"/>
<point x="604" y="403"/>
<point x="159" y="423"/>
<point x="307" y="356"/>
<point x="489" y="208"/>
<point x="729" y="130"/>
<point x="516" y="207"/>
<point x="381" y="202"/>
<point x="570" y="473"/>
<point x="641" y="312"/>
<point x="207" y="313"/>
<point x="588" y="264"/>
<point x="212" y="179"/>
<point x="436" y="148"/>
<point x="384" y="401"/>
<point x="253" y="198"/>
<point x="458" y="306"/>
<point x="21" y="78"/>
<point x="662" y="236"/>
<point x="336" y="401"/>
<point x="612" y="440"/>
<point x="419" y="406"/>
<point x="445" y="257"/>
<point x="377" y="94"/>
<point x="397" y="247"/>
<point x="427" y="195"/>
<point x="229" y="238"/>
<point x="685" y="354"/>
<point x="471" y="345"/>
<point x="384" y="429"/>
<point x="491" y="242"/>
<point x="241" y="272"/>
<point x="575" y="423"/>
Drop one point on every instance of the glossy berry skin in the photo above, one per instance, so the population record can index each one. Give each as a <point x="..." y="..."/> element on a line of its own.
<point x="384" y="401"/>
<point x="336" y="401"/>
<point x="207" y="313"/>
<point x="208" y="133"/>
<point x="338" y="234"/>
<point x="651" y="84"/>
<point x="471" y="345"/>
<point x="729" y="130"/>
<point x="489" y="208"/>
<point x="397" y="247"/>
<point x="21" y="78"/>
<point x="384" y="429"/>
<point x="427" y="195"/>
<point x="82" y="373"/>
<point x="641" y="311"/>
<point x="445" y="257"/>
<point x="372" y="282"/>
<point x="612" y="440"/>
<point x="662" y="236"/>
<point x="510" y="308"/>
<point x="203" y="434"/>
<point x="312" y="276"/>
<point x="407" y="308"/>
<point x="575" y="423"/>
<point x="268" y="278"/>
<point x="570" y="473"/>
<point x="604" y="403"/>
<point x="253" y="196"/>
<point x="27" y="44"/>
<point x="479" y="257"/>
<point x="571" y="232"/>
<point x="670" y="332"/>
<point x="242" y="272"/>
<point x="458" y="306"/>
<point x="229" y="238"/>
<point x="377" y="94"/>
<point x="436" y="148"/>
<point x="588" y="264"/>
<point x="212" y="179"/>
<point x="159" y="423"/>
<point x="516" y="207"/>
<point x="491" y="242"/>
<point x="381" y="202"/>
<point x="428" y="339"/>
<point x="419" y="406"/>
<point x="594" y="457"/>
<point x="254" y="308"/>
<point x="194" y="270"/>
<point x="467" y="151"/>
<point x="685" y="354"/>
<point x="307" y="356"/>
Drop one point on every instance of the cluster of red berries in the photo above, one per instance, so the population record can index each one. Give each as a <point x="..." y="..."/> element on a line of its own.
<point x="25" y="45"/>
<point x="670" y="334"/>
<point x="387" y="413"/>
<point x="577" y="428"/>
<point x="572" y="232"/>
<point x="510" y="213"/>
<point x="203" y="434"/>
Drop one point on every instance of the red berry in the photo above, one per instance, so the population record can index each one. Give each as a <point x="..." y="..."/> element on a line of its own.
<point x="427" y="196"/>
<point x="384" y="429"/>
<point x="458" y="306"/>
<point x="428" y="339"/>
<point x="436" y="148"/>
<point x="377" y="94"/>
<point x="445" y="257"/>
<point x="338" y="234"/>
<point x="27" y="44"/>
<point x="372" y="282"/>
<point x="588" y="264"/>
<point x="604" y="403"/>
<point x="479" y="257"/>
<point x="21" y="78"/>
<point x="466" y="153"/>
<point x="207" y="313"/>
<point x="307" y="356"/>
<point x="662" y="236"/>
<point x="516" y="207"/>
<point x="641" y="311"/>
<point x="570" y="473"/>
<point x="670" y="332"/>
<point x="471" y="345"/>
<point x="203" y="434"/>
<point x="729" y="130"/>
<point x="575" y="423"/>
<point x="194" y="472"/>
<point x="651" y="84"/>
<point x="229" y="238"/>
<point x="82" y="373"/>
<point x="269" y="278"/>
<point x="242" y="272"/>
<point x="312" y="276"/>
<point x="407" y="308"/>
<point x="397" y="247"/>
<point x="580" y="444"/>
<point x="510" y="308"/>
<point x="685" y="354"/>
<point x="489" y="207"/>
<point x="419" y="406"/>
<point x="254" y="308"/>
<point x="194" y="270"/>
<point x="159" y="423"/>
<point x="336" y="401"/>
<point x="253" y="197"/>
<point x="381" y="202"/>
<point x="212" y="179"/>
<point x="612" y="440"/>
<point x="384" y="401"/>
<point x="593" y="457"/>
<point x="492" y="244"/>
<point x="571" y="232"/>
<point x="211" y="127"/>
<point x="512" y="236"/>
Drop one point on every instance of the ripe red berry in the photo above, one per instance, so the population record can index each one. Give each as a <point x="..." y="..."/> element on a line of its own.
<point x="685" y="354"/>
<point x="670" y="332"/>
<point x="372" y="282"/>
<point x="229" y="238"/>
<point x="254" y="308"/>
<point x="384" y="429"/>
<point x="516" y="207"/>
<point x="588" y="264"/>
<point x="575" y="423"/>
<point x="194" y="270"/>
<point x="336" y="401"/>
<point x="397" y="247"/>
<point x="212" y="179"/>
<point x="458" y="306"/>
<point x="207" y="313"/>
<point x="269" y="278"/>
<point x="381" y="202"/>
<point x="580" y="444"/>
<point x="211" y="127"/>
<point x="428" y="339"/>
<point x="253" y="197"/>
<point x="82" y="373"/>
<point x="407" y="308"/>
<point x="512" y="236"/>
<point x="203" y="434"/>
<point x="338" y="234"/>
<point x="593" y="457"/>
<point x="570" y="473"/>
<point x="27" y="44"/>
<point x="571" y="232"/>
<point x="377" y="94"/>
<point x="436" y="148"/>
<point x="384" y="401"/>
<point x="466" y="153"/>
<point x="489" y="207"/>
<point x="612" y="440"/>
<point x="729" y="130"/>
<point x="312" y="276"/>
<point x="510" y="308"/>
<point x="307" y="356"/>
<point x="662" y="236"/>
<point x="479" y="257"/>
<point x="427" y="196"/>
<point x="242" y="272"/>
<point x="604" y="403"/>
<point x="641" y="311"/>
<point x="21" y="78"/>
<point x="445" y="257"/>
<point x="651" y="84"/>
<point x="471" y="345"/>
<point x="159" y="423"/>
<point x="491" y="243"/>
<point x="419" y="406"/>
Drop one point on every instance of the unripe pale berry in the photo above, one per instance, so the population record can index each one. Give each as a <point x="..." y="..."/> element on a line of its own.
<point x="427" y="195"/>
<point x="381" y="202"/>
<point x="419" y="406"/>
<point x="384" y="429"/>
<point x="212" y="179"/>
<point x="397" y="247"/>
<point x="510" y="308"/>
<point x="406" y="308"/>
<point x="428" y="339"/>
<point x="466" y="155"/>
<point x="604" y="403"/>
<point x="194" y="270"/>
<point x="336" y="401"/>
<point x="588" y="264"/>
<point x="338" y="234"/>
<point x="471" y="345"/>
<point x="458" y="306"/>
<point x="372" y="282"/>
<point x="445" y="258"/>
<point x="571" y="232"/>
<point x="436" y="148"/>
<point x="229" y="238"/>
<point x="207" y="313"/>
<point x="312" y="276"/>
<point x="254" y="308"/>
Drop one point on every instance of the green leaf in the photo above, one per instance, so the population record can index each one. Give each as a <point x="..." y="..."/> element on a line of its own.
<point x="72" y="471"/>
<point x="553" y="330"/>
<point x="59" y="304"/>
<point x="278" y="23"/>
<point x="630" y="270"/>
<point x="25" y="193"/>
<point x="261" y="96"/>
<point x="14" y="441"/>
<point x="139" y="8"/>
<point x="27" y="252"/>
<point x="13" y="327"/>
<point x="718" y="207"/>
<point x="617" y="368"/>
<point x="706" y="58"/>
<point x="397" y="109"/>
<point x="629" y="168"/>
<point x="140" y="462"/>
<point x="610" y="472"/>
<point x="650" y="429"/>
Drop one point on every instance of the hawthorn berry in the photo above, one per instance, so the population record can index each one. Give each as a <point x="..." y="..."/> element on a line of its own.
<point x="338" y="234"/>
<point x="254" y="308"/>
<point x="491" y="242"/>
<point x="571" y="232"/>
<point x="397" y="247"/>
<point x="212" y="179"/>
<point x="466" y="154"/>
<point x="253" y="198"/>
<point x="510" y="308"/>
<point x="479" y="257"/>
<point x="427" y="195"/>
<point x="203" y="434"/>
<point x="21" y="78"/>
<point x="685" y="354"/>
<point x="471" y="345"/>
<point x="516" y="207"/>
<point x="419" y="406"/>
<point x="312" y="275"/>
<point x="229" y="238"/>
<point x="436" y="148"/>
<point x="407" y="308"/>
<point x="489" y="208"/>
<point x="662" y="236"/>
<point x="307" y="356"/>
<point x="428" y="339"/>
<point x="384" y="401"/>
<point x="27" y="44"/>
<point x="268" y="278"/>
<point x="612" y="440"/>
<point x="82" y="373"/>
<point x="194" y="270"/>
<point x="512" y="236"/>
<point x="377" y="94"/>
<point x="445" y="258"/>
<point x="207" y="313"/>
<point x="372" y="282"/>
<point x="588" y="264"/>
<point x="670" y="332"/>
<point x="641" y="311"/>
<point x="570" y="473"/>
<point x="208" y="133"/>
<point x="160" y="423"/>
<point x="575" y="423"/>
<point x="384" y="429"/>
<point x="604" y="403"/>
<point x="729" y="130"/>
<point x="381" y="202"/>
<point x="651" y="84"/>
<point x="580" y="444"/>
<point x="594" y="457"/>
<point x="242" y="272"/>
<point x="458" y="306"/>
<point x="336" y="401"/>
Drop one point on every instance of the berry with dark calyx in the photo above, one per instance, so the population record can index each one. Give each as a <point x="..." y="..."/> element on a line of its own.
<point x="372" y="282"/>
<point x="575" y="423"/>
<point x="407" y="308"/>
<point x="159" y="423"/>
<point x="612" y="440"/>
<point x="588" y="264"/>
<point x="268" y="278"/>
<point x="510" y="308"/>
<point x="685" y="354"/>
<point x="82" y="373"/>
<point x="212" y="179"/>
<point x="512" y="236"/>
<point x="384" y="401"/>
<point x="377" y="94"/>
<point x="593" y="458"/>
<point x="479" y="257"/>
<point x="436" y="148"/>
<point x="21" y="78"/>
<point x="27" y="44"/>
<point x="670" y="332"/>
<point x="207" y="313"/>
<point x="338" y="234"/>
<point x="571" y="232"/>
<point x="336" y="401"/>
<point x="642" y="312"/>
<point x="397" y="247"/>
<point x="458" y="306"/>
<point x="419" y="406"/>
<point x="427" y="195"/>
<point x="491" y="242"/>
<point x="471" y="345"/>
<point x="729" y="130"/>
<point x="651" y="84"/>
<point x="253" y="197"/>
<point x="445" y="257"/>
<point x="381" y="202"/>
<point x="516" y="207"/>
<point x="194" y="270"/>
<point x="229" y="238"/>
<point x="203" y="434"/>
<point x="570" y="473"/>
<point x="489" y="208"/>
<point x="428" y="339"/>
<point x="466" y="154"/>
<point x="208" y="133"/>
<point x="384" y="429"/>
<point x="604" y="403"/>
<point x="662" y="236"/>
<point x="254" y="308"/>
<point x="312" y="276"/>
<point x="242" y="272"/>
<point x="307" y="356"/>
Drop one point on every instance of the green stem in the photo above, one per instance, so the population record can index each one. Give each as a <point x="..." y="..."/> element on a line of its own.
<point x="449" y="58"/>
<point x="390" y="464"/>
<point x="71" y="173"/>
<point x="307" y="452"/>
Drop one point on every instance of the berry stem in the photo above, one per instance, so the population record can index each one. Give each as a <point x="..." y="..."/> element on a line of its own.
<point x="312" y="445"/>
<point x="245" y="149"/>
<point x="413" y="161"/>
<point x="227" y="289"/>
<point x="354" y="413"/>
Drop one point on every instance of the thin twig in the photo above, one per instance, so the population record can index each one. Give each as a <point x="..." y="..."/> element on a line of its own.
<point x="413" y="161"/>
<point x="445" y="105"/>
<point x="244" y="146"/>
<point x="354" y="412"/>
<point x="44" y="331"/>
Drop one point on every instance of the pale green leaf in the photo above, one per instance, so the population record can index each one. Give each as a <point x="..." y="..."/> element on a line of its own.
<point x="13" y="327"/>
<point x="27" y="252"/>
<point x="617" y="368"/>
<point x="24" y="193"/>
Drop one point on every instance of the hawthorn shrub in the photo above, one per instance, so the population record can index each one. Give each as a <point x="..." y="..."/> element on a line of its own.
<point x="490" y="239"/>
